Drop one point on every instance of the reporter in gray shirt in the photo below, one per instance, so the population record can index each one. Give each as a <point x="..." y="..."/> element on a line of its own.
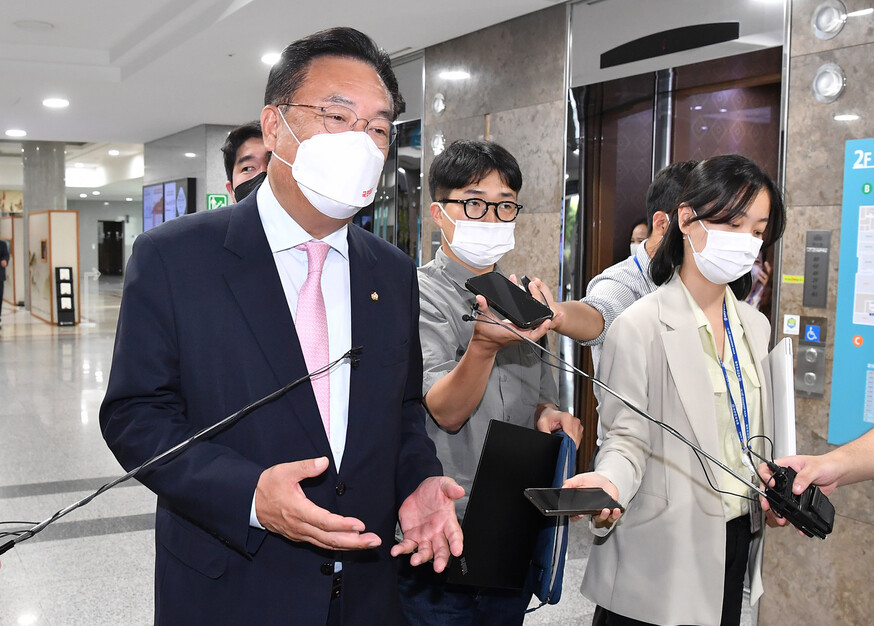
<point x="474" y="371"/>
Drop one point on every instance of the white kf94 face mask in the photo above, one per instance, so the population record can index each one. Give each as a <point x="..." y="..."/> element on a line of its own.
<point x="480" y="244"/>
<point x="726" y="256"/>
<point x="337" y="172"/>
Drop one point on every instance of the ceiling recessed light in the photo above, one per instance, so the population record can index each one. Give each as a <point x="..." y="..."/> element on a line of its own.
<point x="56" y="103"/>
<point x="129" y="199"/>
<point x="454" y="75"/>
<point x="271" y="58"/>
<point x="190" y="155"/>
<point x="16" y="132"/>
<point x="697" y="107"/>
<point x="83" y="195"/>
<point x="114" y="153"/>
<point x="846" y="117"/>
<point x="95" y="193"/>
<point x="105" y="204"/>
<point x="723" y="110"/>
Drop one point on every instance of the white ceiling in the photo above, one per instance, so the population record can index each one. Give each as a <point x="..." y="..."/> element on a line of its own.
<point x="137" y="71"/>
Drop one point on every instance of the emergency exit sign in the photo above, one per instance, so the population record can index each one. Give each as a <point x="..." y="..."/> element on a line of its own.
<point x="216" y="200"/>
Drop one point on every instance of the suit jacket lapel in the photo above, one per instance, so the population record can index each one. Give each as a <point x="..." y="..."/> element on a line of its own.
<point x="256" y="287"/>
<point x="682" y="345"/>
<point x="366" y="325"/>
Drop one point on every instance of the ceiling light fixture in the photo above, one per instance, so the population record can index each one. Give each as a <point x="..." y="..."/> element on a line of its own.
<point x="16" y="132"/>
<point x="271" y="58"/>
<point x="83" y="195"/>
<point x="454" y="75"/>
<point x="129" y="199"/>
<point x="56" y="103"/>
<point x="114" y="152"/>
<point x="190" y="155"/>
<point x="828" y="19"/>
<point x="828" y="83"/>
<point x="95" y="193"/>
<point x="846" y="117"/>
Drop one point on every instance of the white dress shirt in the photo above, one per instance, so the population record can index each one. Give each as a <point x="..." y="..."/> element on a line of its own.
<point x="283" y="234"/>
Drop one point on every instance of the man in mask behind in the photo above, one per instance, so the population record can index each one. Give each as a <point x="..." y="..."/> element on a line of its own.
<point x="289" y="515"/>
<point x="245" y="159"/>
<point x="474" y="372"/>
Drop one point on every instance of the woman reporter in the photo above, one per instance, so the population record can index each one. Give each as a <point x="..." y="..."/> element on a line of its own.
<point x="689" y="354"/>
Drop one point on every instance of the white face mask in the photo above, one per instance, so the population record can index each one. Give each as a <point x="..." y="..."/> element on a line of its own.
<point x="337" y="172"/>
<point x="726" y="256"/>
<point x="633" y="247"/>
<point x="480" y="244"/>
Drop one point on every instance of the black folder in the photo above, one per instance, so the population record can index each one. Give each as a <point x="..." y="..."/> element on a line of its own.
<point x="500" y="525"/>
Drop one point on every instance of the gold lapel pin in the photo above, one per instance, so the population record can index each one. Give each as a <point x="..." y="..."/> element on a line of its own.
<point x="374" y="296"/>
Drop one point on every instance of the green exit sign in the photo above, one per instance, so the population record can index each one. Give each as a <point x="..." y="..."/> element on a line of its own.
<point x="216" y="200"/>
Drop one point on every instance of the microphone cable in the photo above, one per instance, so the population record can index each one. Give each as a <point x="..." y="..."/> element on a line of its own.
<point x="25" y="534"/>
<point x="562" y="365"/>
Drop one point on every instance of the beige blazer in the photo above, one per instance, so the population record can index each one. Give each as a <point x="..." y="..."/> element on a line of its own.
<point x="663" y="562"/>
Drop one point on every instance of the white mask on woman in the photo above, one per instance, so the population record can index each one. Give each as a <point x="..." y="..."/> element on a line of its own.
<point x="726" y="256"/>
<point x="480" y="244"/>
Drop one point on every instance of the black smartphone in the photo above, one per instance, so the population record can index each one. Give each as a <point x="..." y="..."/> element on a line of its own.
<point x="574" y="501"/>
<point x="509" y="300"/>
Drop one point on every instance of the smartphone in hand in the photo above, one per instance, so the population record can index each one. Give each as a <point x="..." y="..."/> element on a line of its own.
<point x="571" y="501"/>
<point x="508" y="299"/>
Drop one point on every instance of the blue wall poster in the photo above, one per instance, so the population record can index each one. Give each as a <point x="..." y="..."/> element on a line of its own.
<point x="852" y="393"/>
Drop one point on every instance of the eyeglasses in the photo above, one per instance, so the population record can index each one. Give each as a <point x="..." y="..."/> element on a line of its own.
<point x="340" y="119"/>
<point x="476" y="208"/>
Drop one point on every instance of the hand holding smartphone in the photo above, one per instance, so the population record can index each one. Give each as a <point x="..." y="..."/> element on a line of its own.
<point x="508" y="299"/>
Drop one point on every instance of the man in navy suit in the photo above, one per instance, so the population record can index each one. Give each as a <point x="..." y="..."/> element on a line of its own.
<point x="289" y="515"/>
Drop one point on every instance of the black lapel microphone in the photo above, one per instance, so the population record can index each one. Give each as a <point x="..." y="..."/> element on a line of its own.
<point x="354" y="353"/>
<point x="227" y="422"/>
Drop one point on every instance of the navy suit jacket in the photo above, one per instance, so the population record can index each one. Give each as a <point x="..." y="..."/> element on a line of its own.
<point x="204" y="329"/>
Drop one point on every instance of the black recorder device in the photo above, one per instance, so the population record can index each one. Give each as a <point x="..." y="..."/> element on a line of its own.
<point x="510" y="300"/>
<point x="811" y="511"/>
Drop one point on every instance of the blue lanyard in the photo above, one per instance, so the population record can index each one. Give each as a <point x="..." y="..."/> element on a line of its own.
<point x="744" y="443"/>
<point x="638" y="266"/>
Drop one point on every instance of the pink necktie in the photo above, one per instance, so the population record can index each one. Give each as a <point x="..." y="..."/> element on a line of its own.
<point x="312" y="326"/>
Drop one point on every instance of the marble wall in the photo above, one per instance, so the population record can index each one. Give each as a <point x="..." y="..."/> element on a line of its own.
<point x="515" y="96"/>
<point x="808" y="581"/>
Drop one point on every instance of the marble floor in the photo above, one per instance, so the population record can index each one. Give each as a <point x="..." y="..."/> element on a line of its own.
<point x="95" y="565"/>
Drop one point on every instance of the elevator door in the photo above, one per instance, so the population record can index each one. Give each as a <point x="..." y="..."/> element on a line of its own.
<point x="110" y="248"/>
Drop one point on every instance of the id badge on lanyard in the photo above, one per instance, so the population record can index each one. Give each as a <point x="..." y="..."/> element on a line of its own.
<point x="743" y="434"/>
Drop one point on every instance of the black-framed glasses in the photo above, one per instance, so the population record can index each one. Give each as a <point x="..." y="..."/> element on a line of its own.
<point x="339" y="119"/>
<point x="476" y="208"/>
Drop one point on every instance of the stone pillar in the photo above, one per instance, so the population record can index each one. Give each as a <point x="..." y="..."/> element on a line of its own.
<point x="515" y="95"/>
<point x="44" y="186"/>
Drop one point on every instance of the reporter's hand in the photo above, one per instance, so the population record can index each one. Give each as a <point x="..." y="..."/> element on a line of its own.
<point x="494" y="336"/>
<point x="551" y="420"/>
<point x="283" y="508"/>
<point x="607" y="517"/>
